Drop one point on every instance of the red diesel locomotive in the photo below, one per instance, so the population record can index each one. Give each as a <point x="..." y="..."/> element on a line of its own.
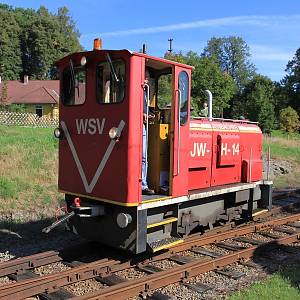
<point x="204" y="171"/>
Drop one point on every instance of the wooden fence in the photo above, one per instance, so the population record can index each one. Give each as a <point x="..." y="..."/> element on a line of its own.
<point x="26" y="119"/>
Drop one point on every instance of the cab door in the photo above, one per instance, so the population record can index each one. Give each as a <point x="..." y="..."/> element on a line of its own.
<point x="180" y="131"/>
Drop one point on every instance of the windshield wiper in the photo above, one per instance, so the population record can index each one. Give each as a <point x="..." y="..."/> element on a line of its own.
<point x="75" y="82"/>
<point x="112" y="68"/>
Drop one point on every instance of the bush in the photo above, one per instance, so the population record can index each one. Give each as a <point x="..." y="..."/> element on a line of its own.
<point x="289" y="120"/>
<point x="19" y="108"/>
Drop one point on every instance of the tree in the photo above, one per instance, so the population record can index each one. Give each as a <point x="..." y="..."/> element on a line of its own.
<point x="291" y="81"/>
<point x="256" y="102"/>
<point x="49" y="39"/>
<point x="281" y="98"/>
<point x="232" y="54"/>
<point x="10" y="53"/>
<point x="31" y="41"/>
<point x="289" y="120"/>
<point x="207" y="75"/>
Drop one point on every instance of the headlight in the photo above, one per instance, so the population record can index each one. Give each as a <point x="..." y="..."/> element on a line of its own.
<point x="58" y="133"/>
<point x="83" y="61"/>
<point x="114" y="133"/>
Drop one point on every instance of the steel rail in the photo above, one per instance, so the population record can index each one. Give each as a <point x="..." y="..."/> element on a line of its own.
<point x="104" y="267"/>
<point x="178" y="274"/>
<point x="197" y="241"/>
<point x="46" y="284"/>
<point x="51" y="283"/>
<point x="276" y="210"/>
<point x="189" y="243"/>
<point x="20" y="265"/>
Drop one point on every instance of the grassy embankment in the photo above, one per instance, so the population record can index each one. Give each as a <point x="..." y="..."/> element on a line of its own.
<point x="28" y="170"/>
<point x="284" y="147"/>
<point x="282" y="285"/>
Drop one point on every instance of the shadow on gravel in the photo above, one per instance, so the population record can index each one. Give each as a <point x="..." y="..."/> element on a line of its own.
<point x="18" y="239"/>
<point x="281" y="259"/>
<point x="25" y="238"/>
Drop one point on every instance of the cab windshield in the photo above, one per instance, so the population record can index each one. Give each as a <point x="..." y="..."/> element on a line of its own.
<point x="110" y="81"/>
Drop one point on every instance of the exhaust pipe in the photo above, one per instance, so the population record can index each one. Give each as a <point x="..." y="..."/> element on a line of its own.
<point x="209" y="94"/>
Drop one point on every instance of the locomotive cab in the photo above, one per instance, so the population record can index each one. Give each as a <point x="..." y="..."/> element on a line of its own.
<point x="202" y="170"/>
<point x="101" y="119"/>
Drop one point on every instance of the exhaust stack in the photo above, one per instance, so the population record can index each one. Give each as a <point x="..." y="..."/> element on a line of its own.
<point x="209" y="94"/>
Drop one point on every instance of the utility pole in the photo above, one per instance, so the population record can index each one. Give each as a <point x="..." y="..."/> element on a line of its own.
<point x="144" y="48"/>
<point x="170" y="42"/>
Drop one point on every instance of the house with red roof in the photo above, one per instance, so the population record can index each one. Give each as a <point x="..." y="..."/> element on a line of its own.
<point x="37" y="96"/>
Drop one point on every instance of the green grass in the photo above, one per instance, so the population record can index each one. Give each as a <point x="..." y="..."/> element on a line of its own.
<point x="282" y="285"/>
<point x="284" y="152"/>
<point x="285" y="147"/>
<point x="8" y="188"/>
<point x="283" y="134"/>
<point x="28" y="169"/>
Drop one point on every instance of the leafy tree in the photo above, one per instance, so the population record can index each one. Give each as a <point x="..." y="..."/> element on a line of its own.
<point x="256" y="102"/>
<point x="291" y="82"/>
<point x="50" y="38"/>
<point x="232" y="54"/>
<point x="207" y="75"/>
<point x="289" y="120"/>
<point x="10" y="53"/>
<point x="281" y="98"/>
<point x="31" y="41"/>
<point x="164" y="90"/>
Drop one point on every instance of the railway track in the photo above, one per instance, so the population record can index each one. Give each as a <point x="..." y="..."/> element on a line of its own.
<point x="237" y="243"/>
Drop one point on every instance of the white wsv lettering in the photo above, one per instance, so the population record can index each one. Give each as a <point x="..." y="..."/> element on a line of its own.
<point x="90" y="126"/>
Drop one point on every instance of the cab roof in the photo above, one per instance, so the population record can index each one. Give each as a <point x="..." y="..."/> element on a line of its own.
<point x="146" y="56"/>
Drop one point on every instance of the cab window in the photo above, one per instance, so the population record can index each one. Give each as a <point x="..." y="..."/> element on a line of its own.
<point x="74" y="85"/>
<point x="110" y="82"/>
<point x="183" y="86"/>
<point x="164" y="91"/>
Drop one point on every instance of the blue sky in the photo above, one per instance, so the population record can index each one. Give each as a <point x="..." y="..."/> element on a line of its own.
<point x="270" y="28"/>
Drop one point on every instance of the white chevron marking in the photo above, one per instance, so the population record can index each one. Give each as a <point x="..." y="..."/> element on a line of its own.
<point x="89" y="187"/>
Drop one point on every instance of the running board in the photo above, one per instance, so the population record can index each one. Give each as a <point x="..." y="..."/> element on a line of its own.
<point x="165" y="243"/>
<point x="259" y="212"/>
<point x="163" y="222"/>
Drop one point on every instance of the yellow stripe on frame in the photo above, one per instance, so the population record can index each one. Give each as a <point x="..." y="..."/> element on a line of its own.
<point x="167" y="246"/>
<point x="164" y="222"/>
<point x="101" y="199"/>
<point x="259" y="212"/>
<point x="156" y="199"/>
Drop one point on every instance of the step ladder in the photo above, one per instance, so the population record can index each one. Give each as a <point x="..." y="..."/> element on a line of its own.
<point x="166" y="242"/>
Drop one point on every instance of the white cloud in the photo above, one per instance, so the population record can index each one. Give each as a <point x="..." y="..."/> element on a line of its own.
<point x="261" y="21"/>
<point x="267" y="53"/>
